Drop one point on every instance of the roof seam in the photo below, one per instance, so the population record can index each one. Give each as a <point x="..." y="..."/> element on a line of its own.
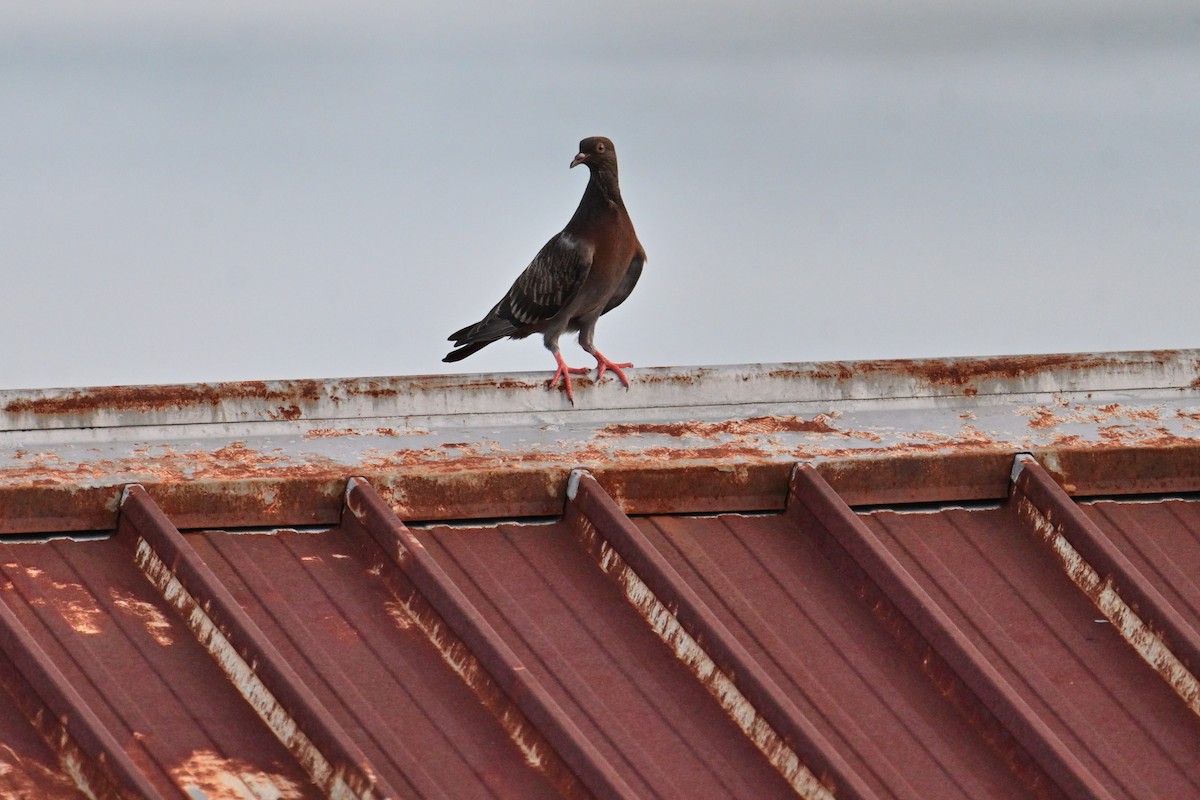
<point x="697" y="636"/>
<point x="929" y="621"/>
<point x="1106" y="575"/>
<point x="253" y="664"/>
<point x="497" y="659"/>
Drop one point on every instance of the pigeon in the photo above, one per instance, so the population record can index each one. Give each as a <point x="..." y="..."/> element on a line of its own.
<point x="583" y="272"/>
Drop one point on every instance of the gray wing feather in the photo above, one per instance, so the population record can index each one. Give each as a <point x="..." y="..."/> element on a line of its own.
<point x="549" y="282"/>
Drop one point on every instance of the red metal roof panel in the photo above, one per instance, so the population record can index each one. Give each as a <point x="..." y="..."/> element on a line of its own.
<point x="571" y="627"/>
<point x="1003" y="588"/>
<point x="937" y="654"/>
<point x="351" y="639"/>
<point x="101" y="624"/>
<point x="768" y="580"/>
<point x="1162" y="540"/>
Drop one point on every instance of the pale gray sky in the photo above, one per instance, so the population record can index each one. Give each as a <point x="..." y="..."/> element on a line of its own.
<point x="226" y="191"/>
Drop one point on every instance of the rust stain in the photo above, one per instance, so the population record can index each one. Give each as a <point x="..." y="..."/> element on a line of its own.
<point x="289" y="396"/>
<point x="1001" y="368"/>
<point x="287" y="400"/>
<point x="156" y="398"/>
<point x="733" y="427"/>
<point x="949" y="372"/>
<point x="236" y="462"/>
<point x="1125" y="434"/>
<point x="324" y="433"/>
<point x="1042" y="418"/>
<point x="56" y="491"/>
<point x="834" y="371"/>
<point x="505" y="383"/>
<point x="651" y="378"/>
<point x="1067" y="440"/>
<point x="291" y="412"/>
<point x="208" y="774"/>
<point x="1143" y="414"/>
<point x="233" y="461"/>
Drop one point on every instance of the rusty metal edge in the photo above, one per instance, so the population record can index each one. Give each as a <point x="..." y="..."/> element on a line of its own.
<point x="259" y="672"/>
<point x="922" y="617"/>
<point x="1128" y="470"/>
<point x="87" y="750"/>
<point x="785" y="736"/>
<point x="535" y="490"/>
<point x="1138" y="611"/>
<point x="483" y="642"/>
<point x="476" y="394"/>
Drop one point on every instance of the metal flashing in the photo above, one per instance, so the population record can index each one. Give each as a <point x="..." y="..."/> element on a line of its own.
<point x="483" y="446"/>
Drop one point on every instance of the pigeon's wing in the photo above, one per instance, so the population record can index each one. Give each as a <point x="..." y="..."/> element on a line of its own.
<point x="550" y="281"/>
<point x="627" y="283"/>
<point x="546" y="286"/>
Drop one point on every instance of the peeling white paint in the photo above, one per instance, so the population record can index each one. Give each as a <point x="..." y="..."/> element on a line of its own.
<point x="667" y="627"/>
<point x="399" y="614"/>
<point x="73" y="766"/>
<point x="459" y="658"/>
<point x="243" y="676"/>
<point x="573" y="482"/>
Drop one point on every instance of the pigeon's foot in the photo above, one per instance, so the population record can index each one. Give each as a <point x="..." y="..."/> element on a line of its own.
<point x="603" y="364"/>
<point x="565" y="373"/>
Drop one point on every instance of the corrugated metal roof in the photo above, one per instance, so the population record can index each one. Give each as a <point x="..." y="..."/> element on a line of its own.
<point x="1033" y="645"/>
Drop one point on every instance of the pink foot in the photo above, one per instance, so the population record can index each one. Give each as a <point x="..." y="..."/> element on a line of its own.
<point x="565" y="373"/>
<point x="603" y="364"/>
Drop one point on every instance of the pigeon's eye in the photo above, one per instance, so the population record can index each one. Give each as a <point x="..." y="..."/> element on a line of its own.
<point x="600" y="147"/>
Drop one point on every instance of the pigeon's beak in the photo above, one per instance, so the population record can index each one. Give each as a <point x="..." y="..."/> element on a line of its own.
<point x="579" y="159"/>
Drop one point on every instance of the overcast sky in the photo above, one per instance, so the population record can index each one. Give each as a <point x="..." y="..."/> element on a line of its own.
<point x="228" y="191"/>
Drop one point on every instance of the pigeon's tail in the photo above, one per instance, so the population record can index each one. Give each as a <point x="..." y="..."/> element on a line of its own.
<point x="464" y="350"/>
<point x="474" y="338"/>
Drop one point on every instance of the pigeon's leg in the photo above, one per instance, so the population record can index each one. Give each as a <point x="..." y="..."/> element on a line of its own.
<point x="586" y="330"/>
<point x="602" y="364"/>
<point x="565" y="373"/>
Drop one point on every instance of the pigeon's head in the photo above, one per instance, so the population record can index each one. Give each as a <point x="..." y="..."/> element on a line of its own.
<point x="598" y="153"/>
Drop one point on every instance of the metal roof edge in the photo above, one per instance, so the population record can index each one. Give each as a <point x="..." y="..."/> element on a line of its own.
<point x="524" y="393"/>
<point x="700" y="440"/>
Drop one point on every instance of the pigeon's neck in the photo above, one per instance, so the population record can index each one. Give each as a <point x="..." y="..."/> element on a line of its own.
<point x="602" y="189"/>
